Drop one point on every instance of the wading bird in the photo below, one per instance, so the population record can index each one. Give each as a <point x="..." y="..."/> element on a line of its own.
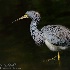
<point x="56" y="37"/>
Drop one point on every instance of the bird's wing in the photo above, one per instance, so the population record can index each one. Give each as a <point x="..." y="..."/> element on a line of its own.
<point x="57" y="35"/>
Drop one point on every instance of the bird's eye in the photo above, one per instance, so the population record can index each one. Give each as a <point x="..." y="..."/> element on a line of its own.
<point x="36" y="15"/>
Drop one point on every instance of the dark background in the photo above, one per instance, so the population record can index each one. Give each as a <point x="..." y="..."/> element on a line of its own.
<point x="16" y="43"/>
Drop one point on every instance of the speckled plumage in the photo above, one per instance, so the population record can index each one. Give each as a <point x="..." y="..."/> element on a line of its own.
<point x="56" y="35"/>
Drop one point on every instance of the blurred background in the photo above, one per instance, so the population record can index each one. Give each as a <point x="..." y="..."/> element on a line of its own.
<point x="16" y="43"/>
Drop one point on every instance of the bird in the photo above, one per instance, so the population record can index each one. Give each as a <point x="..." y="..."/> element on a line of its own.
<point x="55" y="37"/>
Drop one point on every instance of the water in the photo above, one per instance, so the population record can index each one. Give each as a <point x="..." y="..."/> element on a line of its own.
<point x="16" y="44"/>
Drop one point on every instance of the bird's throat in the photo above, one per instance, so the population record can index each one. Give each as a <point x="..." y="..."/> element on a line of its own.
<point x="35" y="33"/>
<point x="33" y="28"/>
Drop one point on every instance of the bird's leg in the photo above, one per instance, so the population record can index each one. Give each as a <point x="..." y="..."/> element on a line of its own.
<point x="58" y="56"/>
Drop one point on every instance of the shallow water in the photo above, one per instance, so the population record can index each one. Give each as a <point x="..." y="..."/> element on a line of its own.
<point x="17" y="48"/>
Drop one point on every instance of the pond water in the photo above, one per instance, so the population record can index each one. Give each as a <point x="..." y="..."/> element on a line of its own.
<point x="17" y="48"/>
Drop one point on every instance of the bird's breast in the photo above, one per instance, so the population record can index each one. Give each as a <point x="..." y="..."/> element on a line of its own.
<point x="53" y="47"/>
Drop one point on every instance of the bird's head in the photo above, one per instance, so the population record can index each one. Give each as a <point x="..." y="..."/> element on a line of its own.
<point x="35" y="16"/>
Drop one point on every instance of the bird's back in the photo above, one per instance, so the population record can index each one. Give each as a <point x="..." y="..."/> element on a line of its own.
<point x="57" y="35"/>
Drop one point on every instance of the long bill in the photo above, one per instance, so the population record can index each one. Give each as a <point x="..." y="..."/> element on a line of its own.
<point x="25" y="16"/>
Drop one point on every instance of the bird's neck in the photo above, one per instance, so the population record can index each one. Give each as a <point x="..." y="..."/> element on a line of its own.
<point x="33" y="28"/>
<point x="35" y="33"/>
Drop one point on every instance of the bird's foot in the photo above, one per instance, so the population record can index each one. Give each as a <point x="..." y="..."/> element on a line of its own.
<point x="54" y="58"/>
